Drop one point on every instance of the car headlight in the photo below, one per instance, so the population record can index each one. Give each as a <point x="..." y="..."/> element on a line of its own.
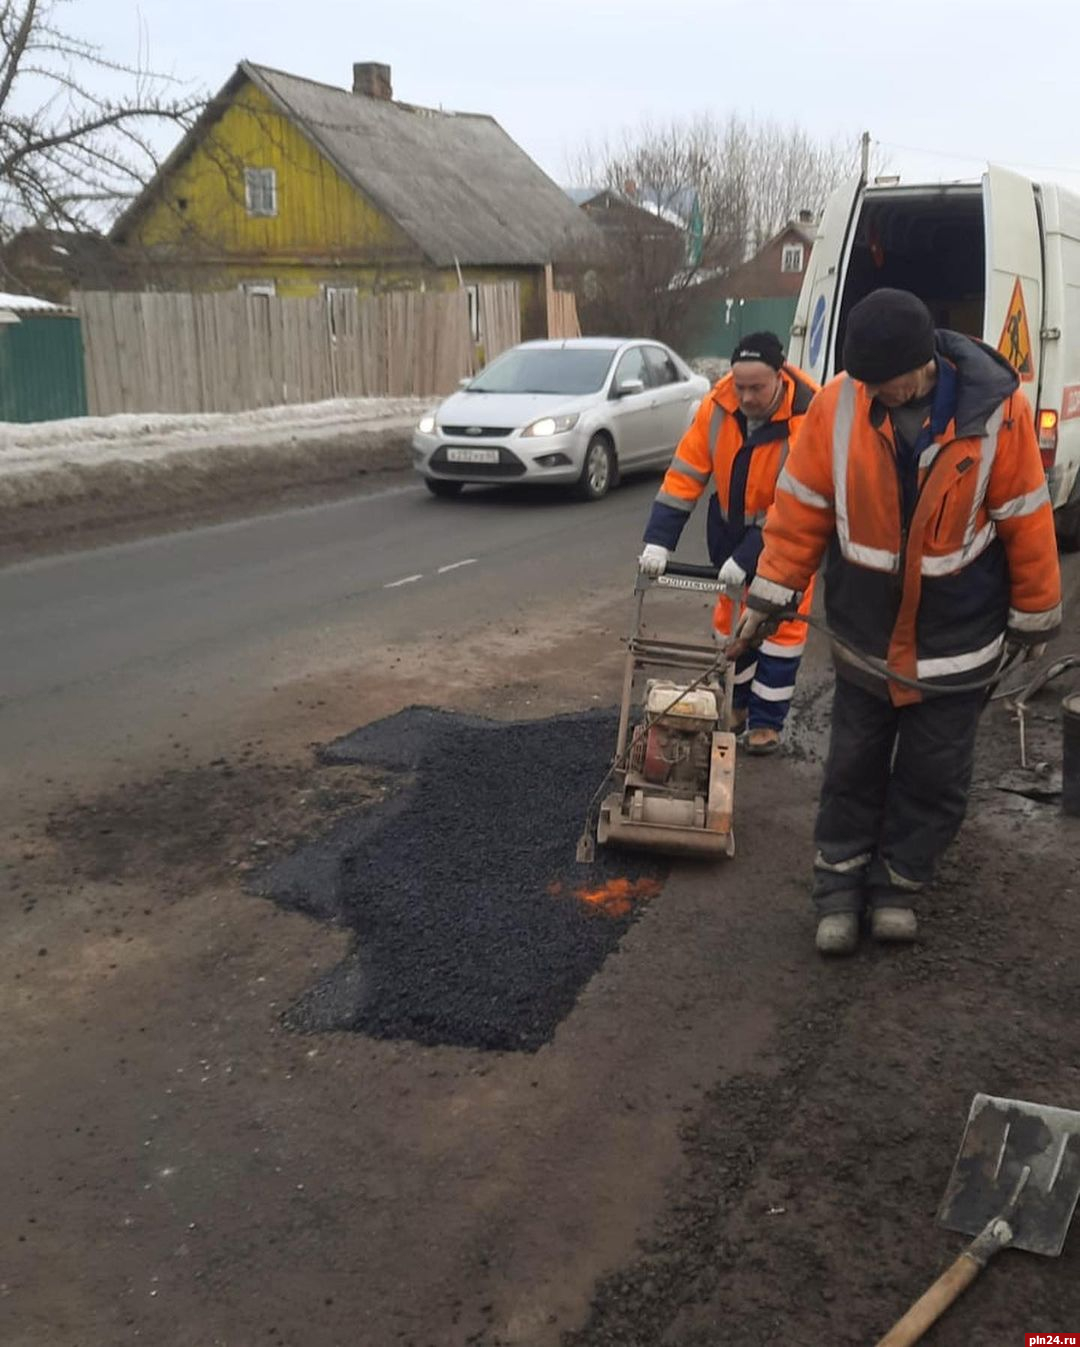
<point x="427" y="425"/>
<point x="551" y="425"/>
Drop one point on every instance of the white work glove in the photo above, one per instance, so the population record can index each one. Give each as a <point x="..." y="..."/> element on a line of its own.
<point x="1031" y="652"/>
<point x="753" y="626"/>
<point x="732" y="575"/>
<point x="653" y="560"/>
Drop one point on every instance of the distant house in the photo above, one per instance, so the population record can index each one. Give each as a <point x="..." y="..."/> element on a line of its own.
<point x="290" y="187"/>
<point x="776" y="270"/>
<point x="616" y="214"/>
<point x="50" y="263"/>
<point x="651" y="244"/>
<point x="761" y="294"/>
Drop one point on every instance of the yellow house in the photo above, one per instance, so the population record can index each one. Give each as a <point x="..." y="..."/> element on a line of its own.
<point x="289" y="187"/>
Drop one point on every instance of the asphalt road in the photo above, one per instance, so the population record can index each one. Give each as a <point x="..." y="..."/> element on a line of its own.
<point x="108" y="653"/>
<point x="202" y="1176"/>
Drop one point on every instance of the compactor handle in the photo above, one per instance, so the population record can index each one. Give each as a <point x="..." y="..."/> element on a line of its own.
<point x="691" y="571"/>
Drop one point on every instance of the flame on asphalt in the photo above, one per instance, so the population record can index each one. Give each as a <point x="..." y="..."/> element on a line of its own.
<point x="616" y="897"/>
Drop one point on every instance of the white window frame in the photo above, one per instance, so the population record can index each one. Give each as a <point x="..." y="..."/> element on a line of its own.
<point x="793" y="257"/>
<point x="260" y="192"/>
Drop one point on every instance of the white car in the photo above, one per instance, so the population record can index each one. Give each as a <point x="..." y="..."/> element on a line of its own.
<point x="577" y="412"/>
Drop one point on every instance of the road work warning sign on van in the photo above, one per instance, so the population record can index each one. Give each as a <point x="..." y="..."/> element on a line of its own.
<point x="1015" y="341"/>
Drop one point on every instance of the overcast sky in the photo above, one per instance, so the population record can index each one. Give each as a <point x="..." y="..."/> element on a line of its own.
<point x="944" y="85"/>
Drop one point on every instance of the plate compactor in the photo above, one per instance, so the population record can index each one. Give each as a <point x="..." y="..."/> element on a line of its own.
<point x="672" y="782"/>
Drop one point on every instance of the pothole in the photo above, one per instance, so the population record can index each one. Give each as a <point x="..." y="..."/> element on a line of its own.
<point x="474" y="924"/>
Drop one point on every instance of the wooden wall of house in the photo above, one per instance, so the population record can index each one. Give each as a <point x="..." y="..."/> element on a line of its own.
<point x="321" y="221"/>
<point x="198" y="235"/>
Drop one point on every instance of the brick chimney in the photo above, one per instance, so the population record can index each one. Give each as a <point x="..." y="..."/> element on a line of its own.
<point x="372" y="80"/>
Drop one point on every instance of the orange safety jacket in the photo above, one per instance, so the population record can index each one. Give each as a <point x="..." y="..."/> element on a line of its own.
<point x="936" y="583"/>
<point x="743" y="467"/>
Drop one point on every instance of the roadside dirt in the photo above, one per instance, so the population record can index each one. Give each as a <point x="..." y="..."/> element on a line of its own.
<point x="725" y="1141"/>
<point x="805" y="1208"/>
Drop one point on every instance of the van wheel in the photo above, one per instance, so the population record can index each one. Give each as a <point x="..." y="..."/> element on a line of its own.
<point x="600" y="471"/>
<point x="444" y="490"/>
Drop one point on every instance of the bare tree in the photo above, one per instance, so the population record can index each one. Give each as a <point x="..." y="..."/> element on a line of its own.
<point x="791" y="172"/>
<point x="685" y="200"/>
<point x="665" y="214"/>
<point x="71" y="152"/>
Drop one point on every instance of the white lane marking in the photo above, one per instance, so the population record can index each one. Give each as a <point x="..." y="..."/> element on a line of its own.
<point x="408" y="580"/>
<point x="455" y="565"/>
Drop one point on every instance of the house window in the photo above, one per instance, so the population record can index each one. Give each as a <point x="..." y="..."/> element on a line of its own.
<point x="267" y="289"/>
<point x="260" y="191"/>
<point x="792" y="259"/>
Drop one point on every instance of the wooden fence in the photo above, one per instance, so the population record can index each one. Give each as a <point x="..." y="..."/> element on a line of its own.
<point x="228" y="351"/>
<point x="500" y="317"/>
<point x="562" y="314"/>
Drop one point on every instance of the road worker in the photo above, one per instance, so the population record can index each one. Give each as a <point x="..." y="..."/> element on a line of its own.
<point x="740" y="438"/>
<point x="917" y="477"/>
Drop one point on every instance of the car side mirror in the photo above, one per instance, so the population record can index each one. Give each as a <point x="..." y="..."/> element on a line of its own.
<point x="628" y="387"/>
<point x="464" y="383"/>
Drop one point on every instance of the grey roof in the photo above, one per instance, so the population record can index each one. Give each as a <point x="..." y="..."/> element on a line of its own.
<point x="454" y="182"/>
<point x="807" y="232"/>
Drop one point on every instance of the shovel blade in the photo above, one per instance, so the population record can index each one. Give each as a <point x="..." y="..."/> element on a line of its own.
<point x="1001" y="1137"/>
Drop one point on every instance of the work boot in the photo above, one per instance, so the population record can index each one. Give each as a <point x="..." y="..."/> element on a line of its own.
<point x="762" y="741"/>
<point x="738" y="721"/>
<point x="838" y="933"/>
<point x="893" y="925"/>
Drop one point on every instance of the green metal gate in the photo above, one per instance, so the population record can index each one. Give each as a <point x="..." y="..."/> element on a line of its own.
<point x="727" y="321"/>
<point x="42" y="377"/>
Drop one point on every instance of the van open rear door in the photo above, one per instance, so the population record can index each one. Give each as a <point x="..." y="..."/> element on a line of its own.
<point x="814" y="329"/>
<point x="1012" y="319"/>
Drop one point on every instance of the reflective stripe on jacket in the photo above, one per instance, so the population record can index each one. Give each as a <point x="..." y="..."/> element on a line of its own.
<point x="743" y="468"/>
<point x="934" y="593"/>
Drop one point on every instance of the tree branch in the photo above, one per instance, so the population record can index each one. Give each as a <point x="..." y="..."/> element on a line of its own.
<point x="66" y="149"/>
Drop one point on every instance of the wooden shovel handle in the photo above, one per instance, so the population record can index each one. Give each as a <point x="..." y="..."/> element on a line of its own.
<point x="932" y="1304"/>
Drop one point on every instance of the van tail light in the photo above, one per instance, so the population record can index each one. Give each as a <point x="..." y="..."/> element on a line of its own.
<point x="1048" y="431"/>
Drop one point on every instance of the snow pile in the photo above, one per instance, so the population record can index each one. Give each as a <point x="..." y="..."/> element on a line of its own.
<point x="140" y="437"/>
<point x="70" y="476"/>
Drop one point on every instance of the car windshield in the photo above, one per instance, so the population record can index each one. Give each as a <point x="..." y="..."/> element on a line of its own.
<point x="545" y="370"/>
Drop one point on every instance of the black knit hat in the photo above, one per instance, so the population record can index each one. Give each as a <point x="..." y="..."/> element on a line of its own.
<point x="763" y="346"/>
<point x="889" y="333"/>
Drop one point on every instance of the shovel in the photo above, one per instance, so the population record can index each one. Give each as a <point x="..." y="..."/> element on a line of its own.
<point x="1015" y="1182"/>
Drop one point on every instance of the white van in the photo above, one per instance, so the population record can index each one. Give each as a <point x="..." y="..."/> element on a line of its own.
<point x="997" y="259"/>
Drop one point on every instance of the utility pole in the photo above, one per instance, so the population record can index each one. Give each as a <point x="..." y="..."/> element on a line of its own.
<point x="864" y="162"/>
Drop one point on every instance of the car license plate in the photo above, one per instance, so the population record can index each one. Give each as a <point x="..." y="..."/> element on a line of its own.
<point x="472" y="455"/>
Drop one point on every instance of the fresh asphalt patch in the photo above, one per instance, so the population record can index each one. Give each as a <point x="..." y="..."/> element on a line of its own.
<point x="474" y="924"/>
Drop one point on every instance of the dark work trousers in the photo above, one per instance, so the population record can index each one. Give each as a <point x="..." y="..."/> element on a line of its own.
<point x="894" y="796"/>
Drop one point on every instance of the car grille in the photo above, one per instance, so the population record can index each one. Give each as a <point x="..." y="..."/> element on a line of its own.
<point x="509" y="465"/>
<point x="479" y="432"/>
